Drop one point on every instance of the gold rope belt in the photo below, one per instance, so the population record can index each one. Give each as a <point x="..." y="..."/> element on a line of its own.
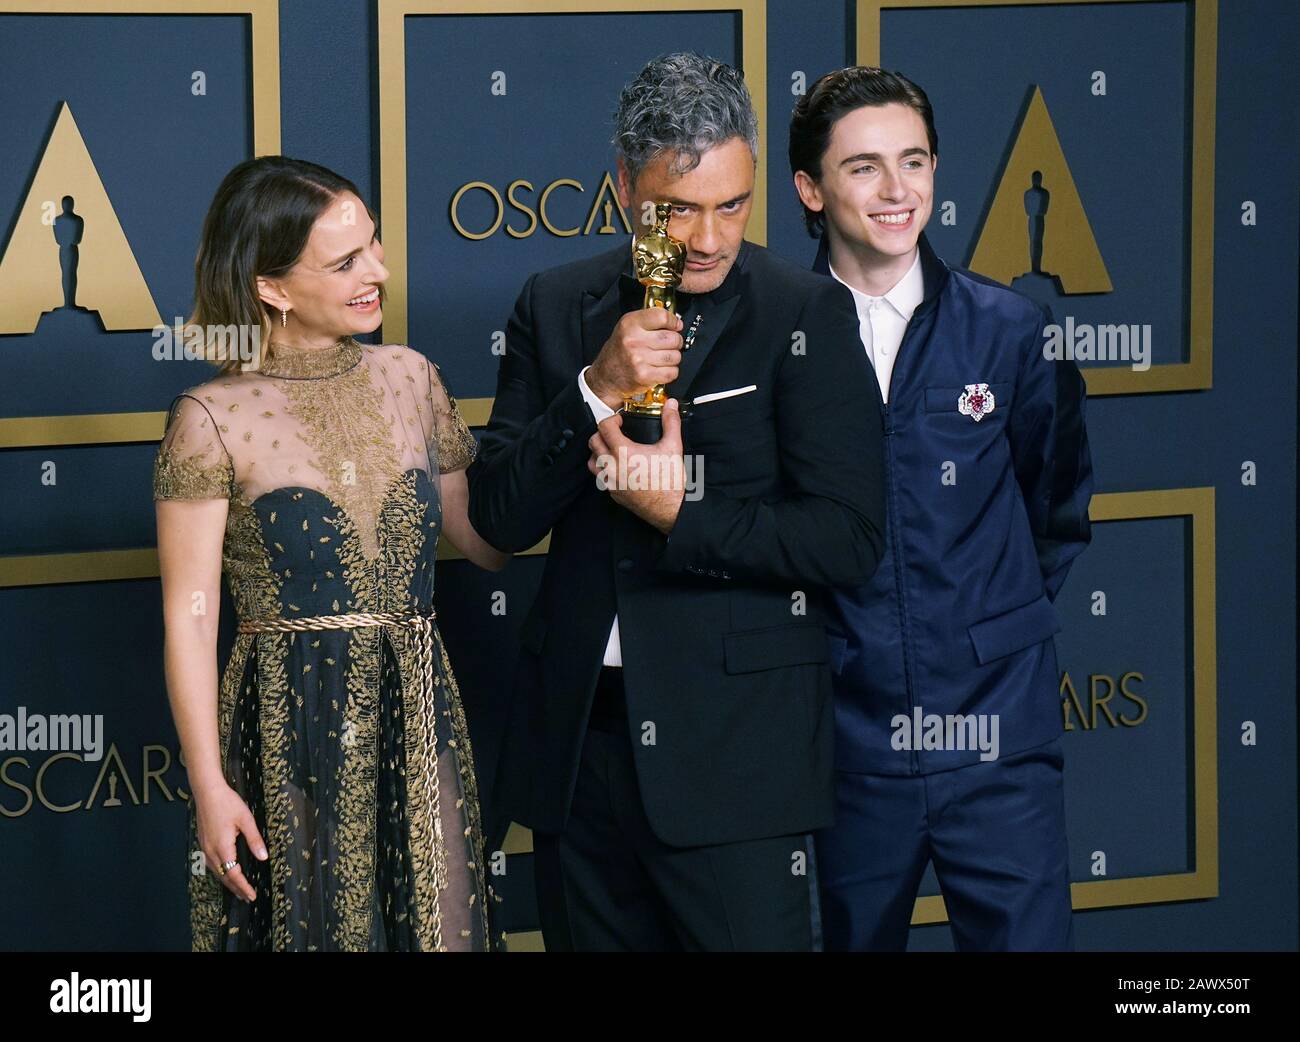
<point x="422" y="623"/>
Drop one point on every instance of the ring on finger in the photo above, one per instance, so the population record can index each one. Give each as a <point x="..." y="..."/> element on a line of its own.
<point x="226" y="866"/>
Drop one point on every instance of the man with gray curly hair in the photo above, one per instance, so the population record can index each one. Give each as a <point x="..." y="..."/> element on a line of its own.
<point x="678" y="108"/>
<point x="671" y="739"/>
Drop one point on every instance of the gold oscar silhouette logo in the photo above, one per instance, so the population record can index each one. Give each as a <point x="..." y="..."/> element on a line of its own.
<point x="1037" y="230"/>
<point x="68" y="250"/>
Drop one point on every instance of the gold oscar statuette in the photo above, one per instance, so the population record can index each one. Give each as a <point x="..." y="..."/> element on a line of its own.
<point x="660" y="261"/>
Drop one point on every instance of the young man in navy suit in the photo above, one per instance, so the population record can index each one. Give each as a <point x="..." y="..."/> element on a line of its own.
<point x="948" y="719"/>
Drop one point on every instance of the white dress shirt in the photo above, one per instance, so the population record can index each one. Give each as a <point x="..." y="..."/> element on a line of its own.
<point x="883" y="320"/>
<point x="613" y="649"/>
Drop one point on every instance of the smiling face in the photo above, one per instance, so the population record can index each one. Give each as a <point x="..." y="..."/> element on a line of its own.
<point x="710" y="208"/>
<point x="335" y="287"/>
<point x="877" y="183"/>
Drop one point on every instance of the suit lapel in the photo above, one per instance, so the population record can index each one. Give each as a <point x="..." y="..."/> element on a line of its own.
<point x="716" y="308"/>
<point x="715" y="316"/>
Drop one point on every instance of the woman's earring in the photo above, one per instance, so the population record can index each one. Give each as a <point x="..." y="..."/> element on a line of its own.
<point x="284" y="318"/>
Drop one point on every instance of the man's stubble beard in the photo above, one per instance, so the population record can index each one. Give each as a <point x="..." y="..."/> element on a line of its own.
<point x="716" y="278"/>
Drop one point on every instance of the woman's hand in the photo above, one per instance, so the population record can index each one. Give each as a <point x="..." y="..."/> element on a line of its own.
<point x="222" y="817"/>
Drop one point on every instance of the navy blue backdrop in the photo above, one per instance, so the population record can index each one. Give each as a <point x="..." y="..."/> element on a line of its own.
<point x="1183" y="832"/>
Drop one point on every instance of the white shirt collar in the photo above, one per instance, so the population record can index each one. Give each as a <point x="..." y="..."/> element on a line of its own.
<point x="904" y="297"/>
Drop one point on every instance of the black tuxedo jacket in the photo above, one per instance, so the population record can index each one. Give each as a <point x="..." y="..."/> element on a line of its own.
<point x="721" y="622"/>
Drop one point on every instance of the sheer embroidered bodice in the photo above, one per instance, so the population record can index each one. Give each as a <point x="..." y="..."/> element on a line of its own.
<point x="360" y="777"/>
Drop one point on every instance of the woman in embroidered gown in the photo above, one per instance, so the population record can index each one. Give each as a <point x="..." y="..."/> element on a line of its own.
<point x="332" y="778"/>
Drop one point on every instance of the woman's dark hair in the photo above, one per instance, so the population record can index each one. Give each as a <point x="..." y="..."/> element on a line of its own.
<point x="836" y="95"/>
<point x="258" y="225"/>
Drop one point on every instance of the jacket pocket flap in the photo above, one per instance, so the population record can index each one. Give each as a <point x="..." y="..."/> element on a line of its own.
<point x="773" y="646"/>
<point x="1014" y="630"/>
<point x="533" y="632"/>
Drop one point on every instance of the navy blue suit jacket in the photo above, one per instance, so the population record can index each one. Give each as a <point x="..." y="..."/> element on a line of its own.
<point x="983" y="518"/>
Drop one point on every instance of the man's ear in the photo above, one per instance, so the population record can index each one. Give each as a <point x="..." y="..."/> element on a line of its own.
<point x="934" y="161"/>
<point x="624" y="185"/>
<point x="809" y="192"/>
<point x="271" y="293"/>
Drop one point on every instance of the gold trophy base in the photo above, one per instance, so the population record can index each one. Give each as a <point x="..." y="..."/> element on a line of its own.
<point x="643" y="416"/>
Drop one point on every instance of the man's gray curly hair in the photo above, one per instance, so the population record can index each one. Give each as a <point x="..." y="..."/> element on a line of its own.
<point x="685" y="103"/>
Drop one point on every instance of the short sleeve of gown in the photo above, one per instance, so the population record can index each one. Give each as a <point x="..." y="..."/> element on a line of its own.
<point x="451" y="445"/>
<point x="192" y="462"/>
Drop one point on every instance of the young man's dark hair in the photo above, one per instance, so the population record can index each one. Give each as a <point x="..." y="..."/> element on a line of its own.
<point x="835" y="95"/>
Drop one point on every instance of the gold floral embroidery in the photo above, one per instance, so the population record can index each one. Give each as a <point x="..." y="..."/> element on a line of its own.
<point x="357" y="775"/>
<point x="454" y="444"/>
<point x="190" y="477"/>
<point x="253" y="585"/>
<point x="403" y="537"/>
<point x="297" y="363"/>
<point x="354" y="447"/>
<point x="191" y="462"/>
